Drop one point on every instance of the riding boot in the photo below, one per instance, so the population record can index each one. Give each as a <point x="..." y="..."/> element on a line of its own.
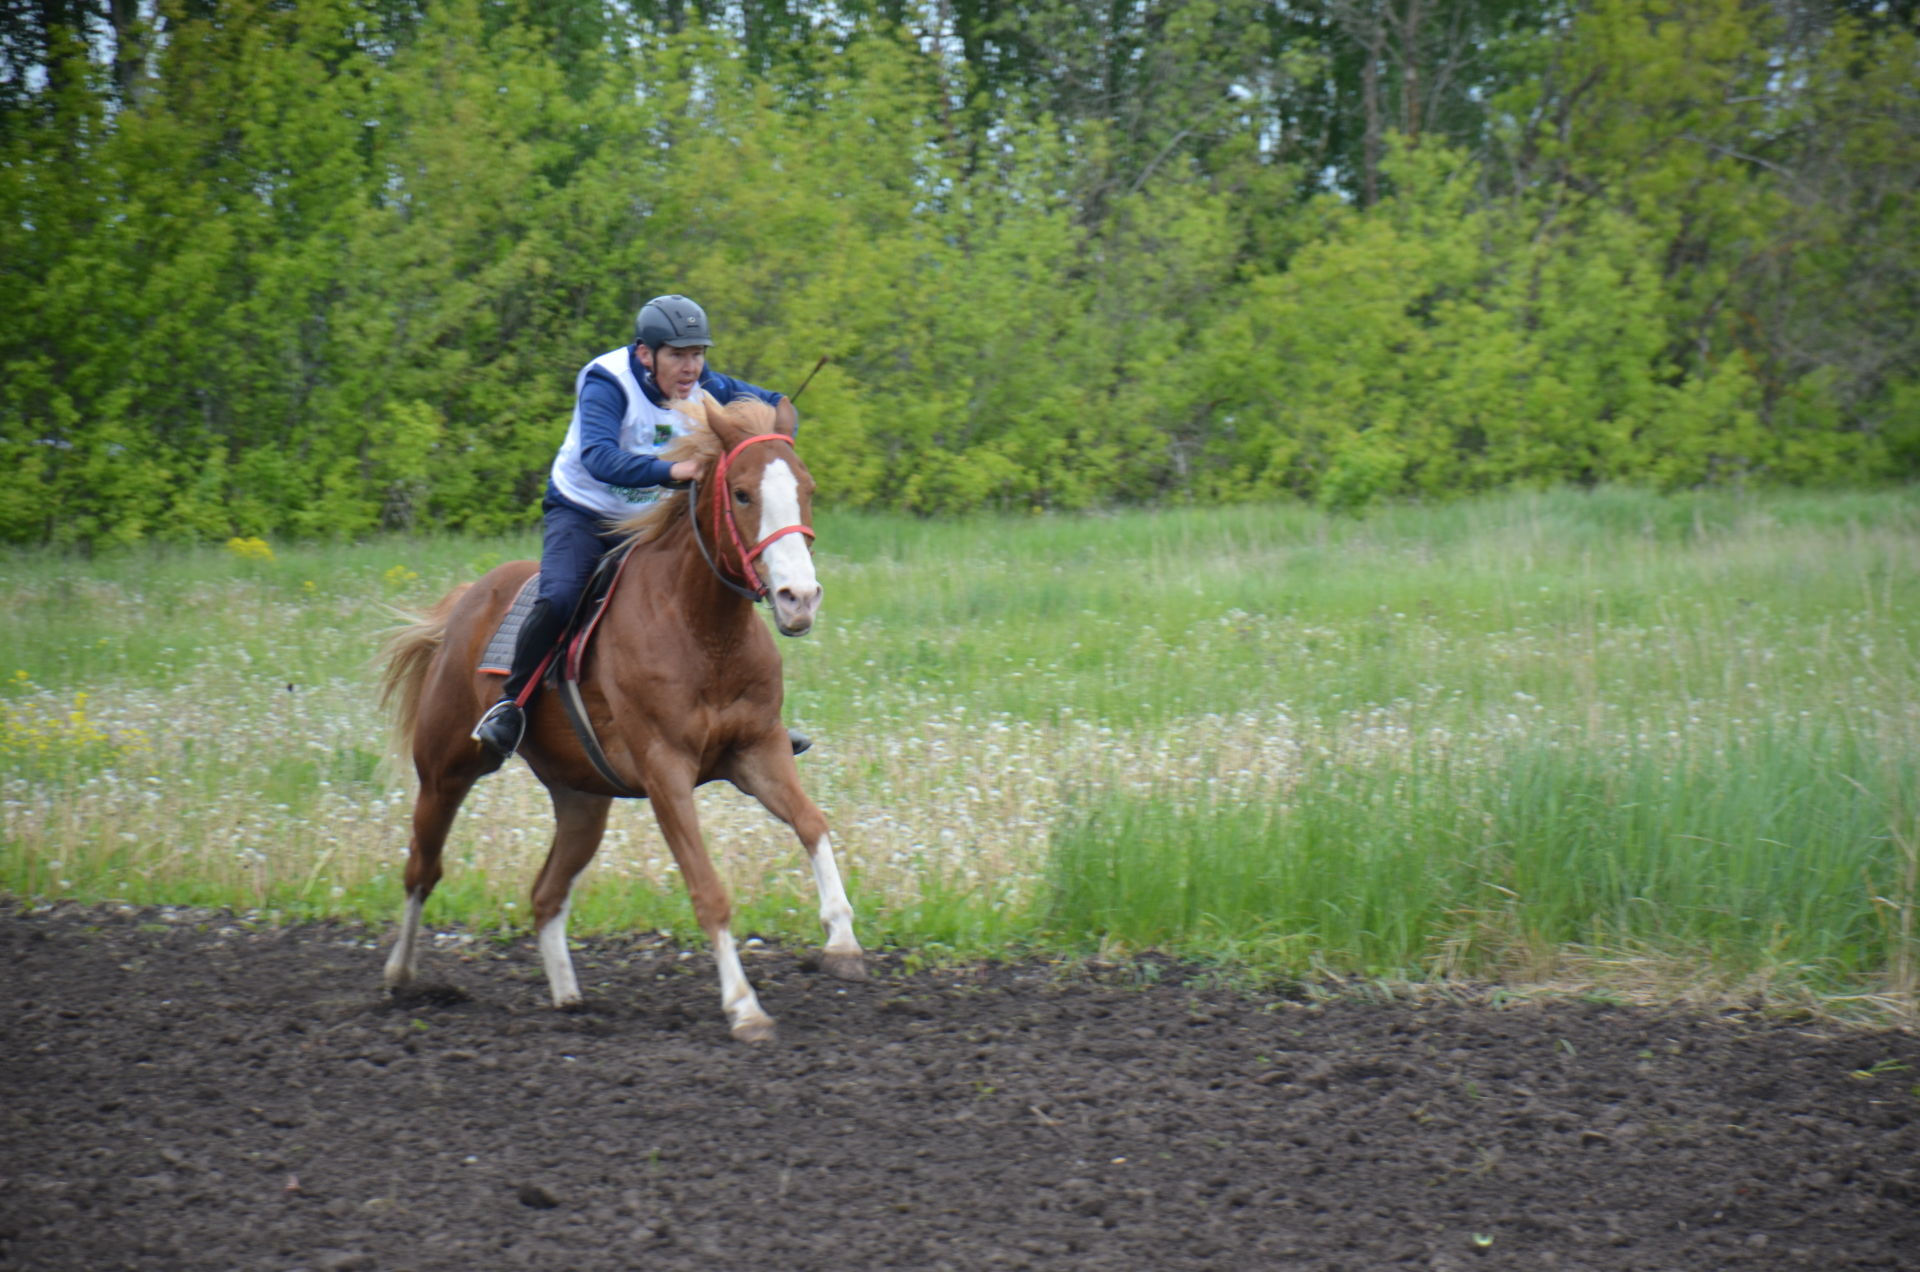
<point x="502" y="726"/>
<point x="798" y="740"/>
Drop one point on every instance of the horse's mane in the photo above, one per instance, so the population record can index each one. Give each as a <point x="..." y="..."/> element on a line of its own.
<point x="700" y="443"/>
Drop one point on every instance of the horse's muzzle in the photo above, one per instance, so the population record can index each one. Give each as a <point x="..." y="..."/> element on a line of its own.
<point x="794" y="609"/>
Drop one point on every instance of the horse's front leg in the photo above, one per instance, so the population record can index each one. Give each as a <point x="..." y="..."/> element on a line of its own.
<point x="579" y="822"/>
<point x="769" y="775"/>
<point x="672" y="797"/>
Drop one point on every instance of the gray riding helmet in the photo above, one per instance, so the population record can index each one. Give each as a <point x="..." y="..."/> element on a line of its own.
<point x="672" y="320"/>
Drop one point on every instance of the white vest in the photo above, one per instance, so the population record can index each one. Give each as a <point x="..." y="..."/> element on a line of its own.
<point x="645" y="430"/>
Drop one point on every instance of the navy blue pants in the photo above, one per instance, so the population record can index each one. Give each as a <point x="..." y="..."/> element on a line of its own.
<point x="573" y="545"/>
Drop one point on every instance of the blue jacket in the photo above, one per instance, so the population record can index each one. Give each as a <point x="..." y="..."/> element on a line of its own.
<point x="603" y="406"/>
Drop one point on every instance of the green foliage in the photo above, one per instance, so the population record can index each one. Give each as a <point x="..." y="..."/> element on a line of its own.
<point x="326" y="269"/>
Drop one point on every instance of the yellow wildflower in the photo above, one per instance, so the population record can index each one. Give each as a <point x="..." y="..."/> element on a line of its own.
<point x="255" y="549"/>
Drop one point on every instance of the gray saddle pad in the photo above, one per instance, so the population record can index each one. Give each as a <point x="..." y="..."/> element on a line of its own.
<point x="498" y="658"/>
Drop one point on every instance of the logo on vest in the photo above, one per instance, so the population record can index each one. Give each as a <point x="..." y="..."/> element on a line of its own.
<point x="636" y="494"/>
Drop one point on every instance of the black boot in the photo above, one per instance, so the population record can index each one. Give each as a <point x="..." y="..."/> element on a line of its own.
<point x="502" y="727"/>
<point x="799" y="740"/>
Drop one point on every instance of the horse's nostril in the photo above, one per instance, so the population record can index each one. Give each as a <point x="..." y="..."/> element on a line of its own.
<point x="796" y="598"/>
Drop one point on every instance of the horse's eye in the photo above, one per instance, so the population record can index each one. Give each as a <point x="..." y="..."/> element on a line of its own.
<point x="742" y="497"/>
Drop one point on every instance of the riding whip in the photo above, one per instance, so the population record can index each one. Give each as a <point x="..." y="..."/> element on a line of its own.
<point x="795" y="395"/>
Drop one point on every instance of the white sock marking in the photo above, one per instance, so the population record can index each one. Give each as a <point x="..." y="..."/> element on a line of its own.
<point x="737" y="998"/>
<point x="403" y="964"/>
<point x="558" y="962"/>
<point x="836" y="912"/>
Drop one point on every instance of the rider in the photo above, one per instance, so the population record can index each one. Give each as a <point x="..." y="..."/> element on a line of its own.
<point x="608" y="469"/>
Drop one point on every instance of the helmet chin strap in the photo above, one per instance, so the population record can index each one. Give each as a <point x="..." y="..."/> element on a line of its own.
<point x="650" y="383"/>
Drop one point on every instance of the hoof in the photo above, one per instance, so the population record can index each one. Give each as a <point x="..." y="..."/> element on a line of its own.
<point x="761" y="1030"/>
<point x="847" y="967"/>
<point x="572" y="1002"/>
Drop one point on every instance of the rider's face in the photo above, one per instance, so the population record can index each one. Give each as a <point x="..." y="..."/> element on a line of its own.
<point x="676" y="371"/>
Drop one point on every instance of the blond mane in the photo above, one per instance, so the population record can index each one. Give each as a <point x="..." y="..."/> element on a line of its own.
<point x="702" y="444"/>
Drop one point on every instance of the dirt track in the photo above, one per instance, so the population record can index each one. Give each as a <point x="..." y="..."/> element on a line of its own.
<point x="197" y="1095"/>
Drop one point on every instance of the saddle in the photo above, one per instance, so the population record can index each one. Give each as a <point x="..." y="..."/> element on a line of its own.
<point x="561" y="671"/>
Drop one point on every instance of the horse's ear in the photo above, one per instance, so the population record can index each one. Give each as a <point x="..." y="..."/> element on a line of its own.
<point x="694" y="409"/>
<point x="725" y="428"/>
<point x="786" y="417"/>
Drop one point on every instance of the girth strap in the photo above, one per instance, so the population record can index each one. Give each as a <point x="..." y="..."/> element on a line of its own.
<point x="563" y="668"/>
<point x="576" y="709"/>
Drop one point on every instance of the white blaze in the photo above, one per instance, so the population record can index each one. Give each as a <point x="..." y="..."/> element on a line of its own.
<point x="786" y="563"/>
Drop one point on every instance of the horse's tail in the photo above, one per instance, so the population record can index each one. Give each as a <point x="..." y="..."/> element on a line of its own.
<point x="407" y="651"/>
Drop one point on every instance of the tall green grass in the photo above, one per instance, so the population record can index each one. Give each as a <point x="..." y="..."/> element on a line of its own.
<point x="1599" y="735"/>
<point x="1760" y="861"/>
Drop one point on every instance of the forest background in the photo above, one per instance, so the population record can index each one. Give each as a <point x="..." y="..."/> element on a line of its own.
<point x="328" y="267"/>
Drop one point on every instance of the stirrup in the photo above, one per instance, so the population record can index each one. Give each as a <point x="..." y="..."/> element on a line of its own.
<point x="501" y="728"/>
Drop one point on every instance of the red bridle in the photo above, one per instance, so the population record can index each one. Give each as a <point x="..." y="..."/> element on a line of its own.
<point x="723" y="514"/>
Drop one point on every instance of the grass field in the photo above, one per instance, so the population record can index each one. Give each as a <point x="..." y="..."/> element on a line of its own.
<point x="1606" y="739"/>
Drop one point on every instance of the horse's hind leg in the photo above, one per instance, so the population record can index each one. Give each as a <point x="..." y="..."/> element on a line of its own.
<point x="433" y="813"/>
<point x="579" y="822"/>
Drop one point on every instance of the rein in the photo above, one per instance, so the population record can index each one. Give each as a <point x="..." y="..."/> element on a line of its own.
<point x="723" y="515"/>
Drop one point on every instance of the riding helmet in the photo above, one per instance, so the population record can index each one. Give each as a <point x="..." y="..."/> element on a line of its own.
<point x="672" y="320"/>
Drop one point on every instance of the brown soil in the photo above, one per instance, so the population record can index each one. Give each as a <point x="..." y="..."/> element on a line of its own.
<point x="182" y="1091"/>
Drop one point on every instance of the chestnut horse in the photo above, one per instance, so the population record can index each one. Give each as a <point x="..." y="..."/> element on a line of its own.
<point x="682" y="686"/>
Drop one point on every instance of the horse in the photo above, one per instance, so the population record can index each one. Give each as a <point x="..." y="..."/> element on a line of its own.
<point x="682" y="685"/>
